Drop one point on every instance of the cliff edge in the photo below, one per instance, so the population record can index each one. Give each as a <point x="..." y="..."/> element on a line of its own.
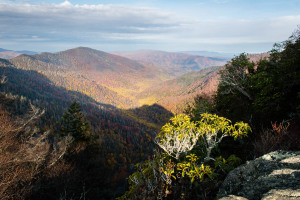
<point x="275" y="175"/>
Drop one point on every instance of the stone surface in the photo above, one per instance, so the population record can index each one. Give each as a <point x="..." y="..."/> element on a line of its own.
<point x="282" y="194"/>
<point x="273" y="176"/>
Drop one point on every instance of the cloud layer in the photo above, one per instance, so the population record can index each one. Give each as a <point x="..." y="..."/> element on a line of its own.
<point x="55" y="27"/>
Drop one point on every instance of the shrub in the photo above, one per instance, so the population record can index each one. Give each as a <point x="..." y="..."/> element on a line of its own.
<point x="186" y="168"/>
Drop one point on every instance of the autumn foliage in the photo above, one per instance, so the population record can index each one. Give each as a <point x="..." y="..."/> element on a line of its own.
<point x="187" y="161"/>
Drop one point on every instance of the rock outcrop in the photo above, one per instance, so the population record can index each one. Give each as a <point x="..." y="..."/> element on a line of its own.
<point x="275" y="175"/>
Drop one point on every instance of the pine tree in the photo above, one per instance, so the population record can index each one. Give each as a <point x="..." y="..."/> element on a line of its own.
<point x="74" y="124"/>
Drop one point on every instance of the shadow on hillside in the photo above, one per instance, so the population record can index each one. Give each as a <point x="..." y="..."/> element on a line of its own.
<point x="103" y="117"/>
<point x="43" y="92"/>
<point x="155" y="114"/>
<point x="123" y="137"/>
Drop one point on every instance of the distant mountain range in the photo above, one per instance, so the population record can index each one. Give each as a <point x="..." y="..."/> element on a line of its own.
<point x="129" y="79"/>
<point x="107" y="78"/>
<point x="174" y="64"/>
<point x="126" y="101"/>
<point x="5" y="53"/>
<point x="211" y="54"/>
<point x="122" y="82"/>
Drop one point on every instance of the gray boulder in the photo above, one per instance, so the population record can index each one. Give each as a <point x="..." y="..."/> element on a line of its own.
<point x="275" y="175"/>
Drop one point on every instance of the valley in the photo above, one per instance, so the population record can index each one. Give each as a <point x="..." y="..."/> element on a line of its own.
<point x="149" y="100"/>
<point x="119" y="81"/>
<point x="126" y="102"/>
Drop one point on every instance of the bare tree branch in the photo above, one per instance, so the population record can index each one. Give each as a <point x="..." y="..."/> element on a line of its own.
<point x="179" y="142"/>
<point x="3" y="80"/>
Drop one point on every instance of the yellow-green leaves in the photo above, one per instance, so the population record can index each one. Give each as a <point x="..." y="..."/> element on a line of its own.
<point x="178" y="124"/>
<point x="240" y="130"/>
<point x="181" y="135"/>
<point x="213" y="124"/>
<point x="194" y="171"/>
<point x="178" y="140"/>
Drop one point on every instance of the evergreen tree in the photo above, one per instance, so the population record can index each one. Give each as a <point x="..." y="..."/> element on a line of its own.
<point x="276" y="82"/>
<point x="267" y="92"/>
<point x="74" y="124"/>
<point x="234" y="95"/>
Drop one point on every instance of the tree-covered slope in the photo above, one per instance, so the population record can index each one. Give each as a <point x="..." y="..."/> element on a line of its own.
<point x="121" y="138"/>
<point x="174" y="64"/>
<point x="176" y="93"/>
<point x="107" y="78"/>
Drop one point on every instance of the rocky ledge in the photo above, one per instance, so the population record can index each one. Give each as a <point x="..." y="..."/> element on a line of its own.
<point x="275" y="175"/>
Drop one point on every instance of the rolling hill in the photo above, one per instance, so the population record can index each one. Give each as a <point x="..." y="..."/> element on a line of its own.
<point x="7" y="54"/>
<point x="174" y="64"/>
<point x="175" y="94"/>
<point x="112" y="91"/>
<point x="107" y="78"/>
<point x="119" y="81"/>
<point x="121" y="137"/>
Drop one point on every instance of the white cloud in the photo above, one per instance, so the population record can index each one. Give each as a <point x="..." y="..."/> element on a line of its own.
<point x="230" y="31"/>
<point x="112" y="24"/>
<point x="66" y="17"/>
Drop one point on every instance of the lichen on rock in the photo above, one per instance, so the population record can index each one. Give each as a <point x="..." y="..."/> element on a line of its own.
<point x="275" y="175"/>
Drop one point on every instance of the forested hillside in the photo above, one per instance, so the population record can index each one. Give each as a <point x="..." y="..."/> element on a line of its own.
<point x="255" y="111"/>
<point x="174" y="64"/>
<point x="119" y="139"/>
<point x="104" y="77"/>
<point x="74" y="123"/>
<point x="117" y="81"/>
<point x="175" y="94"/>
<point x="149" y="100"/>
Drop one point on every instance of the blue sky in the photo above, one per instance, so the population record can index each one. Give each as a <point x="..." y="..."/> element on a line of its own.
<point x="233" y="26"/>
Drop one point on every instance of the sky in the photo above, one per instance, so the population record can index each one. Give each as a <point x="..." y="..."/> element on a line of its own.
<point x="227" y="26"/>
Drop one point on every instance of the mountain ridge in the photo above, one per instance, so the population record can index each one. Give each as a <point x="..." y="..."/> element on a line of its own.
<point x="7" y="54"/>
<point x="125" y="83"/>
<point x="107" y="78"/>
<point x="176" y="93"/>
<point x="173" y="63"/>
<point x="120" y="77"/>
